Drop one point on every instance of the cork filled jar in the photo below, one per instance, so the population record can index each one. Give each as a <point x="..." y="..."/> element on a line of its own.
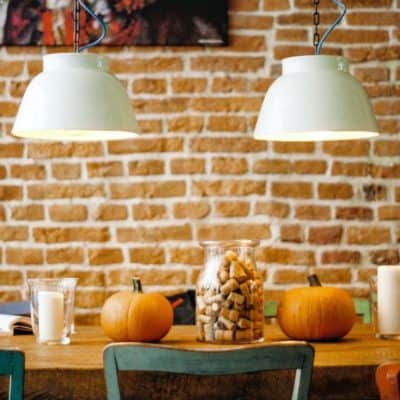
<point x="229" y="294"/>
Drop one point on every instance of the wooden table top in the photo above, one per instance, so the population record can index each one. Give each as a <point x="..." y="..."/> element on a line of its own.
<point x="359" y="348"/>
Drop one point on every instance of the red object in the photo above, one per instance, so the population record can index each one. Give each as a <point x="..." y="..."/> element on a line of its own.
<point x="388" y="380"/>
<point x="177" y="302"/>
<point x="48" y="37"/>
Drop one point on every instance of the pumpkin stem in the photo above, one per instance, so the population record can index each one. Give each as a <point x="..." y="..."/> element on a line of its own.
<point x="137" y="285"/>
<point x="313" y="280"/>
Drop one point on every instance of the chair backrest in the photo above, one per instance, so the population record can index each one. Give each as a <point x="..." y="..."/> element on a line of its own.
<point x="148" y="357"/>
<point x="12" y="364"/>
<point x="388" y="380"/>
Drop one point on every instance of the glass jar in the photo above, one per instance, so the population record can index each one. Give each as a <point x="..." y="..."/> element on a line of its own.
<point x="229" y="294"/>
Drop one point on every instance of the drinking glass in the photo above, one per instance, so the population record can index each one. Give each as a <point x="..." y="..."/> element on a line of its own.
<point x="52" y="309"/>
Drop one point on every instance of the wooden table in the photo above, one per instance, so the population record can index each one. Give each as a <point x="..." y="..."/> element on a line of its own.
<point x="343" y="370"/>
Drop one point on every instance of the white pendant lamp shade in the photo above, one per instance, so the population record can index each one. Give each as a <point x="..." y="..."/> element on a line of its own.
<point x="316" y="98"/>
<point x="75" y="99"/>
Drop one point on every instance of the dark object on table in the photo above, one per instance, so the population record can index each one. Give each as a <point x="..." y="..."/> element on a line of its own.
<point x="184" y="312"/>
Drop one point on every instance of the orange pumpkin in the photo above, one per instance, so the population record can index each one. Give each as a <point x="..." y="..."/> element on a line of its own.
<point x="316" y="313"/>
<point x="136" y="316"/>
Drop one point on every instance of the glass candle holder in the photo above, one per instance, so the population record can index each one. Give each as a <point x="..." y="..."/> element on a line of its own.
<point x="52" y="309"/>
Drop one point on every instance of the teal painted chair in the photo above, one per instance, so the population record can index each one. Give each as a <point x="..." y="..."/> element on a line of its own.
<point x="12" y="364"/>
<point x="148" y="357"/>
<point x="362" y="307"/>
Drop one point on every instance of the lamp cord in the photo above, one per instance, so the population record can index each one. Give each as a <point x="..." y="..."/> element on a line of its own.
<point x="78" y="5"/>
<point x="318" y="44"/>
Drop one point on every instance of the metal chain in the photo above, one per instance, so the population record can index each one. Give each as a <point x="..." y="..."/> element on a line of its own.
<point x="77" y="10"/>
<point x="316" y="38"/>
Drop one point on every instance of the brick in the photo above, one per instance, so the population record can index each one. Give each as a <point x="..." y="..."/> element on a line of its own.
<point x="64" y="191"/>
<point x="153" y="86"/>
<point x="354" y="213"/>
<point x="297" y="190"/>
<point x="10" y="192"/>
<point x="387" y="148"/>
<point x="149" y="211"/>
<point x="362" y="54"/>
<point x="264" y="166"/>
<point x="62" y="235"/>
<point x="341" y="257"/>
<point x="3" y="172"/>
<point x="294" y="147"/>
<point x="90" y="278"/>
<point x="291" y="35"/>
<point x="163" y="105"/>
<point x="365" y="274"/>
<point x="11" y="278"/>
<point x="368" y="235"/>
<point x="231" y="124"/>
<point x="230" y="209"/>
<point x="65" y="255"/>
<point x="89" y="299"/>
<point x="186" y="124"/>
<point x="31" y="212"/>
<point x="373" y="192"/>
<point x="66" y="171"/>
<point x="227" y="64"/>
<point x="289" y="276"/>
<point x="261" y="84"/>
<point x="250" y="21"/>
<point x="285" y="256"/>
<point x="28" y="172"/>
<point x="389" y="213"/>
<point x="187" y="256"/>
<point x="189" y="85"/>
<point x="228" y="84"/>
<point x="87" y="319"/>
<point x="226" y="104"/>
<point x="68" y="213"/>
<point x="24" y="256"/>
<point x="240" y="5"/>
<point x="11" y="150"/>
<point x="104" y="169"/>
<point x="227" y="145"/>
<point x="191" y="210"/>
<point x="350" y="3"/>
<point x="13" y="233"/>
<point x="147" y="255"/>
<point x="227" y="165"/>
<point x="144" y="65"/>
<point x="11" y="68"/>
<point x="322" y="235"/>
<point x="146" y="167"/>
<point x="233" y="232"/>
<point x="147" y="189"/>
<point x="276" y="5"/>
<point x="145" y="146"/>
<point x="381" y="171"/>
<point x="372" y="74"/>
<point x="350" y="169"/>
<point x="373" y="18"/>
<point x="384" y="257"/>
<point x="228" y="187"/>
<point x="64" y="150"/>
<point x="244" y="43"/>
<point x="304" y="18"/>
<point x="387" y="107"/>
<point x="334" y="275"/>
<point x="312" y="212"/>
<point x="334" y="191"/>
<point x="272" y="209"/>
<point x="156" y="234"/>
<point x="309" y="167"/>
<point x="148" y="277"/>
<point x="111" y="212"/>
<point x="353" y="36"/>
<point x="10" y="295"/>
<point x="188" y="166"/>
<point x="150" y="125"/>
<point x="105" y="256"/>
<point x="8" y="109"/>
<point x="353" y="148"/>
<point x="291" y="233"/>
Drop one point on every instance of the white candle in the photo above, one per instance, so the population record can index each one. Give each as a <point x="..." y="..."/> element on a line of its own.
<point x="388" y="299"/>
<point x="50" y="315"/>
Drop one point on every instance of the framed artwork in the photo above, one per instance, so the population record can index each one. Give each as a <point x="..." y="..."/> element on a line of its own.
<point x="130" y="22"/>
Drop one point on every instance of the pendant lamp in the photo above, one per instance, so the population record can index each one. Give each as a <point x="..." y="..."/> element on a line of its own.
<point x="75" y="98"/>
<point x="316" y="98"/>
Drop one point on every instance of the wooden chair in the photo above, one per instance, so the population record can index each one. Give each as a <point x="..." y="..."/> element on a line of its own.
<point x="149" y="357"/>
<point x="12" y="364"/>
<point x="388" y="380"/>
